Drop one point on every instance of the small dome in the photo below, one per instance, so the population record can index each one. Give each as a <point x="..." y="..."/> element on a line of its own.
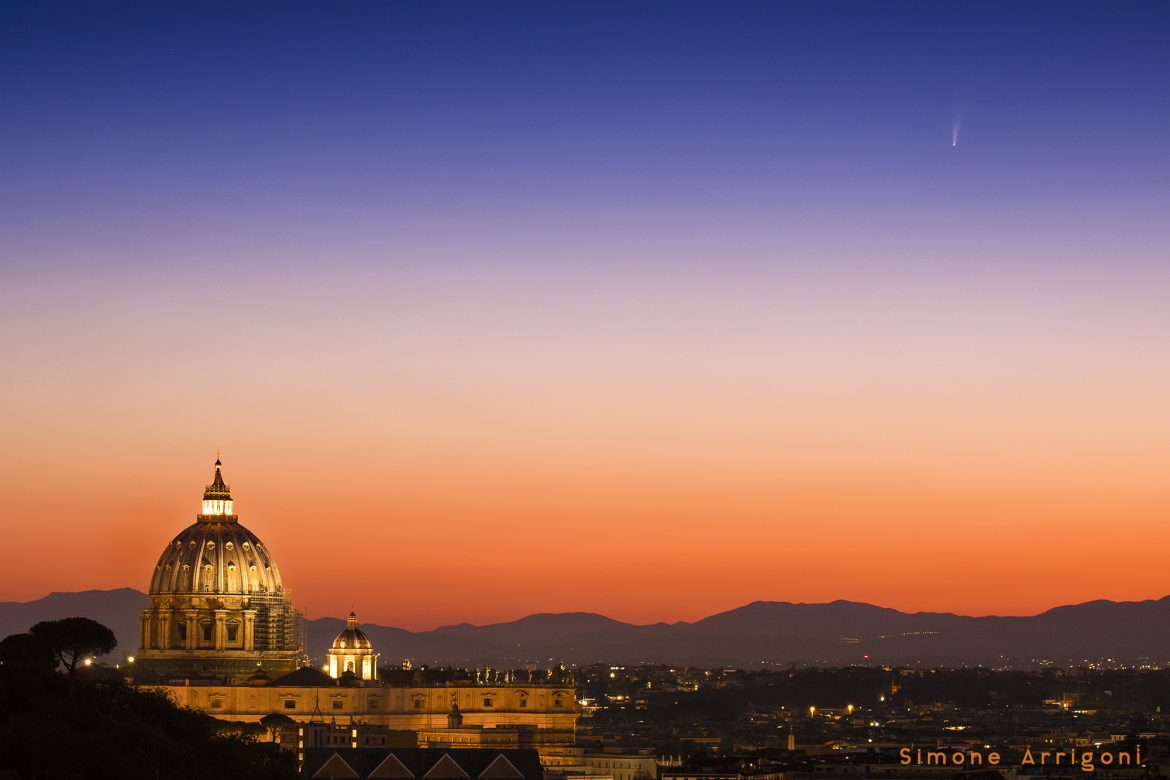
<point x="352" y="638"/>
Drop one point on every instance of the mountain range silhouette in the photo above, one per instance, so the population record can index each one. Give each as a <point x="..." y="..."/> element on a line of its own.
<point x="763" y="632"/>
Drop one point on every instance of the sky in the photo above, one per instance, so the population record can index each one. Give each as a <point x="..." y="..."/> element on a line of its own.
<point x="651" y="309"/>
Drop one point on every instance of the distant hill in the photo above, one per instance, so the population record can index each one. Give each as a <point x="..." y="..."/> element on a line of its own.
<point x="775" y="632"/>
<point x="839" y="632"/>
<point x="117" y="609"/>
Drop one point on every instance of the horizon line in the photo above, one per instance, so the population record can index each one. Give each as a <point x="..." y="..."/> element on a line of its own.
<point x="659" y="622"/>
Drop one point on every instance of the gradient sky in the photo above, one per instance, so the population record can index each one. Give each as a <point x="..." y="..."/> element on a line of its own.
<point x="649" y="309"/>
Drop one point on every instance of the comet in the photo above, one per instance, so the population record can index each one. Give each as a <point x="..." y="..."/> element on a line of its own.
<point x="955" y="133"/>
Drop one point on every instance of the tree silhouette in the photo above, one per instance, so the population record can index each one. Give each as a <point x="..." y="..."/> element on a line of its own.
<point x="72" y="639"/>
<point x="99" y="728"/>
<point x="27" y="652"/>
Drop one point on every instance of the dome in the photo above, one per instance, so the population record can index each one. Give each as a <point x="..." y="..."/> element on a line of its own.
<point x="352" y="638"/>
<point x="352" y="657"/>
<point x="216" y="605"/>
<point x="216" y="554"/>
<point x="215" y="557"/>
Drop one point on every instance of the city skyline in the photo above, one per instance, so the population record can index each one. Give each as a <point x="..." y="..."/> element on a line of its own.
<point x="644" y="310"/>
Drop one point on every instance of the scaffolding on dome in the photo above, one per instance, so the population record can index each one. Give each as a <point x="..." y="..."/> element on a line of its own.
<point x="279" y="626"/>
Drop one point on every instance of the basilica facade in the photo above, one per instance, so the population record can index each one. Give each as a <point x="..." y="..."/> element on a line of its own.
<point x="220" y="634"/>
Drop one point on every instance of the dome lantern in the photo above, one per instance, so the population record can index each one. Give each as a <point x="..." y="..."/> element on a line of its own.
<point x="217" y="498"/>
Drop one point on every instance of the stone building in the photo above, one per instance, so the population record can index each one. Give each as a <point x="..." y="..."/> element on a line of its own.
<point x="220" y="634"/>
<point x="217" y="604"/>
<point x="541" y="713"/>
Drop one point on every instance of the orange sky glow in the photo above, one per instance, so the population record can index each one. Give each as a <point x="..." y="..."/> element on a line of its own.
<point x="647" y="449"/>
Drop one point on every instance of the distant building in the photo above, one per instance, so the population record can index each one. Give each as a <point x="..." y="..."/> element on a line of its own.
<point x="352" y="652"/>
<point x="594" y="763"/>
<point x="220" y="634"/>
<point x="336" y="736"/>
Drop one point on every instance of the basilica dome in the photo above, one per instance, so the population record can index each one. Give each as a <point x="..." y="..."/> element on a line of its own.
<point x="216" y="554"/>
<point x="217" y="606"/>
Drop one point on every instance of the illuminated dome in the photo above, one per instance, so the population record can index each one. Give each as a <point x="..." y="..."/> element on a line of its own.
<point x="216" y="554"/>
<point x="217" y="606"/>
<point x="352" y="638"/>
<point x="353" y="653"/>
